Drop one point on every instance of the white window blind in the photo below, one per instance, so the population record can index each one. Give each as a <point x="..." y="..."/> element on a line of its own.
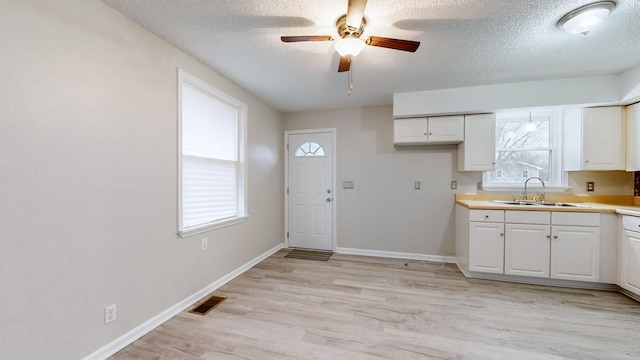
<point x="212" y="164"/>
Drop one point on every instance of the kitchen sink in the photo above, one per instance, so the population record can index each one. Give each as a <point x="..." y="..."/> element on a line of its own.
<point x="519" y="203"/>
<point x="531" y="203"/>
<point x="560" y="204"/>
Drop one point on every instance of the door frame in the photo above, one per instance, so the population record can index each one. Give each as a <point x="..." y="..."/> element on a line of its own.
<point x="334" y="226"/>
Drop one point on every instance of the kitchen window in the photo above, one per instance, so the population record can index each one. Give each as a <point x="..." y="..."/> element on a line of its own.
<point x="212" y="166"/>
<point x="527" y="145"/>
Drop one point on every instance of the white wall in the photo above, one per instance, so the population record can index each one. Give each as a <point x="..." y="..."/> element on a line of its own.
<point x="88" y="179"/>
<point x="383" y="212"/>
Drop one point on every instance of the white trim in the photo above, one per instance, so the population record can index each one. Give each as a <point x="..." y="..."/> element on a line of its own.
<point x="212" y="226"/>
<point x="333" y="132"/>
<point x="396" y="255"/>
<point x="144" y="328"/>
<point x="185" y="78"/>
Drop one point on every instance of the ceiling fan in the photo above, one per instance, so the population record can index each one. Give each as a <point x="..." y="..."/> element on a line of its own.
<point x="350" y="28"/>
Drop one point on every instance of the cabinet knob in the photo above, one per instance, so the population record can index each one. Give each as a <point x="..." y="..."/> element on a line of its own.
<point x="486" y="216"/>
<point x="555" y="236"/>
<point x="501" y="234"/>
<point x="430" y="133"/>
<point x="425" y="133"/>
<point x="548" y="236"/>
<point x="586" y="161"/>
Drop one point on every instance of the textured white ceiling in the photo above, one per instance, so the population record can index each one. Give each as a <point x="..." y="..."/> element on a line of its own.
<point x="463" y="43"/>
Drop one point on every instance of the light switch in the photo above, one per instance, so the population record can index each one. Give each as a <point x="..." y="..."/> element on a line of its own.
<point x="454" y="184"/>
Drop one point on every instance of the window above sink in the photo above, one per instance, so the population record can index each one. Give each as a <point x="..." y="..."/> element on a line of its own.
<point x="528" y="144"/>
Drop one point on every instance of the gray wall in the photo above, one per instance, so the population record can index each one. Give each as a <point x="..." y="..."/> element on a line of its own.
<point x="383" y="212"/>
<point x="88" y="180"/>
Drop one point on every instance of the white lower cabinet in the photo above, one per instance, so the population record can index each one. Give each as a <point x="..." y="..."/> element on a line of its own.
<point x="629" y="276"/>
<point x="556" y="245"/>
<point x="486" y="247"/>
<point x="527" y="249"/>
<point x="575" y="253"/>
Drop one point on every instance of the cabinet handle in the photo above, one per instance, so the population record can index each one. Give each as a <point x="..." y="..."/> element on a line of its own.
<point x="555" y="236"/>
<point x="548" y="236"/>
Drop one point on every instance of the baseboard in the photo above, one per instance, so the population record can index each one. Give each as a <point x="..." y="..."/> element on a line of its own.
<point x="144" y="328"/>
<point x="544" y="281"/>
<point x="396" y="255"/>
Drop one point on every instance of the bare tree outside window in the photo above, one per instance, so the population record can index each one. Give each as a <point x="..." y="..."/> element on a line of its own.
<point x="523" y="149"/>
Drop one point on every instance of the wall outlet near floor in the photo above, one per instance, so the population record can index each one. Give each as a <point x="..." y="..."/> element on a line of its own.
<point x="110" y="314"/>
<point x="205" y="243"/>
<point x="591" y="186"/>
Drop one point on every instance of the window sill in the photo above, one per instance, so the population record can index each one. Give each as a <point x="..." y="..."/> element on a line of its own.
<point x="212" y="226"/>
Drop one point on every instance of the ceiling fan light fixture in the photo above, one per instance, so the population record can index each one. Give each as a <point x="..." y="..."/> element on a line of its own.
<point x="584" y="18"/>
<point x="350" y="46"/>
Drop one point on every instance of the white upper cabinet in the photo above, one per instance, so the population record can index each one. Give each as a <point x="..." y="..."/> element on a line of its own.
<point x="594" y="139"/>
<point x="633" y="137"/>
<point x="478" y="151"/>
<point x="410" y="131"/>
<point x="429" y="131"/>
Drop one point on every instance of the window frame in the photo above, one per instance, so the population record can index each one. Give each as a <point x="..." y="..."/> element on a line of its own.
<point x="186" y="79"/>
<point x="560" y="179"/>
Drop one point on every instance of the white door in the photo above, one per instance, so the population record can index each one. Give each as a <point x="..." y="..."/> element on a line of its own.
<point x="310" y="190"/>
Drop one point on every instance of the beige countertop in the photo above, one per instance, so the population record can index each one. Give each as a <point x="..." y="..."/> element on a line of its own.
<point x="600" y="204"/>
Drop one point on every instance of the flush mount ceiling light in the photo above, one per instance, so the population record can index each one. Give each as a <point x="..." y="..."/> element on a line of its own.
<point x="350" y="46"/>
<point x="584" y="18"/>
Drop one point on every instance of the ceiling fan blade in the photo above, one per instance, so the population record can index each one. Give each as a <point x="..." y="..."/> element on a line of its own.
<point x="396" y="44"/>
<point x="306" y="38"/>
<point x="355" y="13"/>
<point x="345" y="64"/>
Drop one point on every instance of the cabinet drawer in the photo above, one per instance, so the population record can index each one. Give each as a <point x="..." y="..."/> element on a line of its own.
<point x="486" y="215"/>
<point x="631" y="223"/>
<point x="527" y="217"/>
<point x="575" y="219"/>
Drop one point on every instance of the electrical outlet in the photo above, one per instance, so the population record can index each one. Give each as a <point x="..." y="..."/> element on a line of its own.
<point x="454" y="185"/>
<point x="416" y="185"/>
<point x="591" y="186"/>
<point x="205" y="243"/>
<point x="110" y="314"/>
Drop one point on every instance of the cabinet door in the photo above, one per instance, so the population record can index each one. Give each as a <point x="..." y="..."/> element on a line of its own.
<point x="603" y="144"/>
<point x="486" y="247"/>
<point x="446" y="129"/>
<point x="527" y="250"/>
<point x="631" y="262"/>
<point x="575" y="253"/>
<point x="410" y="131"/>
<point x="478" y="151"/>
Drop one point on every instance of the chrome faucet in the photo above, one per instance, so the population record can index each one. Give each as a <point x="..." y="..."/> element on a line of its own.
<point x="525" y="187"/>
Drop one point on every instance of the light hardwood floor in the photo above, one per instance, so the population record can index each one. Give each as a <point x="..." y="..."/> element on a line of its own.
<point x="354" y="307"/>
